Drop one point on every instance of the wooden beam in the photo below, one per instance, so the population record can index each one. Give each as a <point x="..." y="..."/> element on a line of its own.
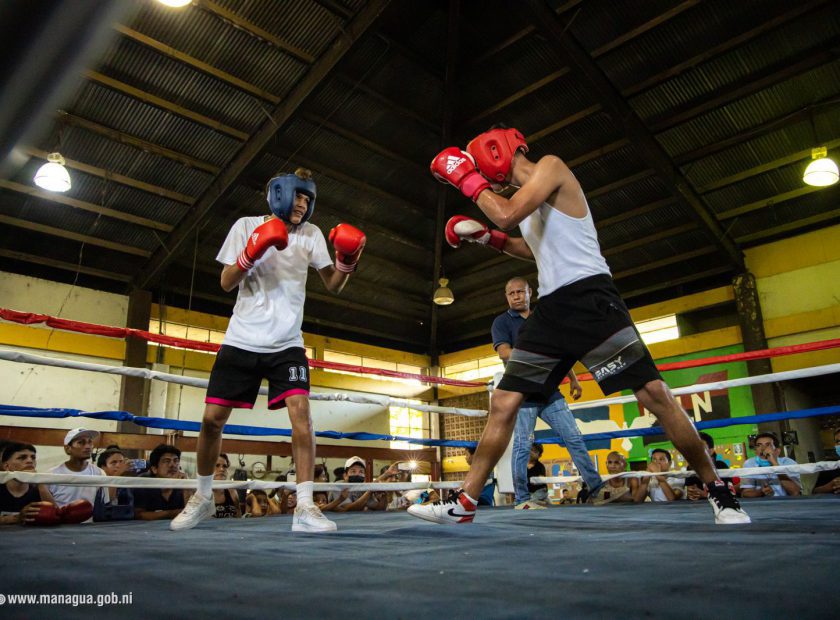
<point x="630" y="213"/>
<point x="790" y="226"/>
<point x="58" y="232"/>
<point x="159" y="102"/>
<point x="356" y="84"/>
<point x="255" y="31"/>
<point x="59" y="264"/>
<point x="769" y="202"/>
<point x="365" y="225"/>
<point x="670" y="282"/>
<point x="652" y="238"/>
<point x="359" y="139"/>
<point x="786" y="120"/>
<point x="771" y="165"/>
<point x="665" y="262"/>
<point x="643" y="28"/>
<point x="760" y="80"/>
<point x="102" y="173"/>
<point x="717" y="50"/>
<point x="198" y="65"/>
<point x="376" y="333"/>
<point x="650" y="150"/>
<point x="563" y="122"/>
<point x="205" y="205"/>
<point x="597" y="53"/>
<point x="520" y="94"/>
<point x="611" y="187"/>
<point x="599" y="152"/>
<point x="84" y="206"/>
<point x="139" y="143"/>
<point x="346" y="179"/>
<point x="352" y="305"/>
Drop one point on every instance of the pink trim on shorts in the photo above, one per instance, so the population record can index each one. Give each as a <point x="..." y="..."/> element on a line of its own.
<point x="278" y="402"/>
<point x="228" y="403"/>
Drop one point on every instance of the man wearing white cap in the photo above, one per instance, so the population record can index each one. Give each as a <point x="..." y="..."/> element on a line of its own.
<point x="350" y="501"/>
<point x="78" y="444"/>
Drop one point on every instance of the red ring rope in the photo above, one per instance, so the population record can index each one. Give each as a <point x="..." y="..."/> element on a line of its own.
<point x="28" y="318"/>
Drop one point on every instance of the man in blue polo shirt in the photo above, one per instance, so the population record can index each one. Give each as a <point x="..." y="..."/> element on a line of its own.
<point x="555" y="412"/>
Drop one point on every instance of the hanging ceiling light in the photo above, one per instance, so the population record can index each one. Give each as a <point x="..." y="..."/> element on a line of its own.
<point x="443" y="295"/>
<point x="53" y="176"/>
<point x="175" y="4"/>
<point x="821" y="171"/>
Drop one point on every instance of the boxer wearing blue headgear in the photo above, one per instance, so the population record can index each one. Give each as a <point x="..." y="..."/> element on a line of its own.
<point x="267" y="258"/>
<point x="282" y="194"/>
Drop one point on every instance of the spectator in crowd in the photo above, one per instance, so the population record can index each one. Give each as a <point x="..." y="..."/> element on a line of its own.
<point x="338" y="474"/>
<point x="566" y="497"/>
<point x="538" y="492"/>
<point x="767" y="454"/>
<point x="616" y="489"/>
<point x="488" y="492"/>
<point x="226" y="500"/>
<point x="20" y="502"/>
<point x="321" y="473"/>
<point x="258" y="504"/>
<point x="694" y="487"/>
<point x="152" y="504"/>
<point x="660" y="488"/>
<point x="321" y="499"/>
<point x="112" y="461"/>
<point x="78" y="445"/>
<point x="347" y="501"/>
<point x="829" y="481"/>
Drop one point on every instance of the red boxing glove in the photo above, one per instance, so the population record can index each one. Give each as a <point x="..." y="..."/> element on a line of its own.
<point x="462" y="228"/>
<point x="348" y="242"/>
<point x="268" y="234"/>
<point x="47" y="515"/>
<point x="457" y="167"/>
<point x="76" y="512"/>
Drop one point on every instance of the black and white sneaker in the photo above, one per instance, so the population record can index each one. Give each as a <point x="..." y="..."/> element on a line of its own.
<point x="725" y="505"/>
<point x="457" y="508"/>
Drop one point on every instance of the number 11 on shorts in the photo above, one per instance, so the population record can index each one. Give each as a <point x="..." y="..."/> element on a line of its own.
<point x="297" y="373"/>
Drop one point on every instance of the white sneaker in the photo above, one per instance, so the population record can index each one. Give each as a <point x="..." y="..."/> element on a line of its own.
<point x="196" y="510"/>
<point x="725" y="505"/>
<point x="456" y="509"/>
<point x="311" y="519"/>
<point x="529" y="505"/>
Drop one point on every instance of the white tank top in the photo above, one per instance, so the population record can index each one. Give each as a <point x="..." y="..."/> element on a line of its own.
<point x="566" y="248"/>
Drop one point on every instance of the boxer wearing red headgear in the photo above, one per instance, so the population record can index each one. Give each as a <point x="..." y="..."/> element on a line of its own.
<point x="580" y="315"/>
<point x="267" y="259"/>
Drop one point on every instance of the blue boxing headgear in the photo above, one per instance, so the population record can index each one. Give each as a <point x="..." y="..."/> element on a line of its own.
<point x="281" y="195"/>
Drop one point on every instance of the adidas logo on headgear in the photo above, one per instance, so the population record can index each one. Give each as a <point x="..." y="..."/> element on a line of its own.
<point x="453" y="162"/>
<point x="254" y="237"/>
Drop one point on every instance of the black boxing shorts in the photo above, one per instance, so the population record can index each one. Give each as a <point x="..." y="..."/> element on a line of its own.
<point x="588" y="321"/>
<point x="237" y="374"/>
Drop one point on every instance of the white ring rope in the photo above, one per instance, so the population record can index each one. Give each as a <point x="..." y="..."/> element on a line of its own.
<point x="191" y="483"/>
<point x="382" y="401"/>
<point x="743" y="472"/>
<point x="385" y="401"/>
<point x="801" y="373"/>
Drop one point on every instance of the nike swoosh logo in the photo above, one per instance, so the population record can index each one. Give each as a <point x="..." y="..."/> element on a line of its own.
<point x="451" y="512"/>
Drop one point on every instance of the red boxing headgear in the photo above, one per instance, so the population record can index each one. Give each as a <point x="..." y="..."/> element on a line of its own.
<point x="493" y="151"/>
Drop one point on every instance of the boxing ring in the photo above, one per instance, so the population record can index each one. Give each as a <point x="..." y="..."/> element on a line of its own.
<point x="635" y="560"/>
<point x="665" y="560"/>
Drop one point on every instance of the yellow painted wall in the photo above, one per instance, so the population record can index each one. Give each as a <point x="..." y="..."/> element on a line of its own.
<point x="798" y="282"/>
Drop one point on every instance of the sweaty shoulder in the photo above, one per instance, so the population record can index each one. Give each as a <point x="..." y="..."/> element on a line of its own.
<point x="568" y="197"/>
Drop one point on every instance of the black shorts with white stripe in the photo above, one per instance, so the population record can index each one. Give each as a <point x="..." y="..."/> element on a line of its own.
<point x="587" y="321"/>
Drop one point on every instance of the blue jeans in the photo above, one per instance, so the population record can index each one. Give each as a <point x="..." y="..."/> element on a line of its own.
<point x="559" y="417"/>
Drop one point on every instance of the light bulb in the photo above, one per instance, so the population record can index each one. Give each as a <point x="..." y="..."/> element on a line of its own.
<point x="443" y="295"/>
<point x="175" y="4"/>
<point x="53" y="176"/>
<point x="821" y="172"/>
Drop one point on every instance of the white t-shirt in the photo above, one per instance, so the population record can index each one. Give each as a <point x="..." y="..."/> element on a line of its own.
<point x="64" y="493"/>
<point x="268" y="313"/>
<point x="655" y="492"/>
<point x="772" y="480"/>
